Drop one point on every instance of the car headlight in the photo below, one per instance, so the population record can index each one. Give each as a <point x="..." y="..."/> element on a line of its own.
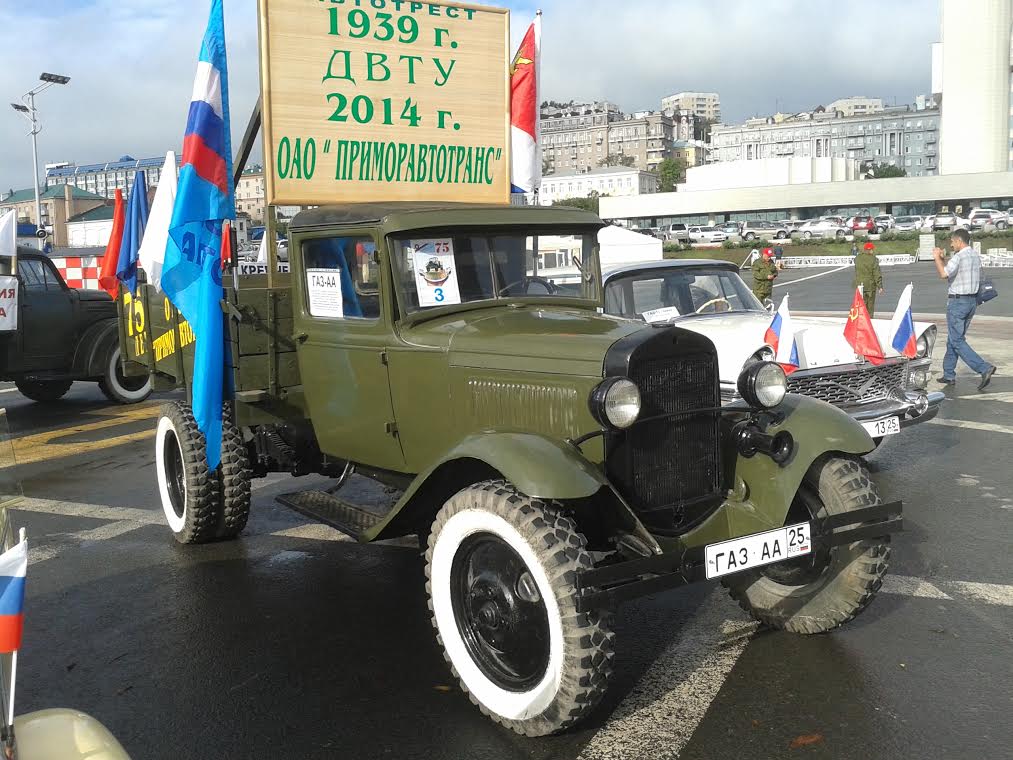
<point x="615" y="402"/>
<point x="763" y="384"/>
<point x="925" y="343"/>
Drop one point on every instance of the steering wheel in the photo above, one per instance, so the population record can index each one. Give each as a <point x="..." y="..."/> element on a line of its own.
<point x="714" y="302"/>
<point x="549" y="285"/>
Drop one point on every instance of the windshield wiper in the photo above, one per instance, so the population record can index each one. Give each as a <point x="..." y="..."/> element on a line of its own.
<point x="586" y="275"/>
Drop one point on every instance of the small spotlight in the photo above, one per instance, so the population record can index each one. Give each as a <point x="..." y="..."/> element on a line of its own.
<point x="19" y="107"/>
<point x="54" y="78"/>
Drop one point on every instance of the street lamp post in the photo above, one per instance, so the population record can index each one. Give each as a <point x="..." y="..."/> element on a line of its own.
<point x="27" y="108"/>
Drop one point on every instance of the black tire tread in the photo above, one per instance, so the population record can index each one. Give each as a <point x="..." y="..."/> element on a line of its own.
<point x="43" y="390"/>
<point x="563" y="549"/>
<point x="234" y="475"/>
<point x="846" y="481"/>
<point x="202" y="490"/>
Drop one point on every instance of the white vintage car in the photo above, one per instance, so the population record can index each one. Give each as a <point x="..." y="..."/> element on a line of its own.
<point x="710" y="298"/>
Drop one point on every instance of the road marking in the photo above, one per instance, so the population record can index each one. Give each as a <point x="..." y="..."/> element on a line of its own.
<point x="101" y="533"/>
<point x="1005" y="398"/>
<point x="8" y="390"/>
<point x="990" y="593"/>
<point x="312" y="531"/>
<point x="810" y="277"/>
<point x="39" y="447"/>
<point x="906" y="586"/>
<point x="659" y="716"/>
<point x="94" y="511"/>
<point x="986" y="427"/>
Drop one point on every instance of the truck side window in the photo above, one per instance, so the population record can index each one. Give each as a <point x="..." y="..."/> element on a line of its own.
<point x="32" y="276"/>
<point x="353" y="259"/>
<point x="50" y="276"/>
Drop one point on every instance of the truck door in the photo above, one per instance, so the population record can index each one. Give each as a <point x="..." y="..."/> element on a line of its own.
<point x="46" y="315"/>
<point x="342" y="336"/>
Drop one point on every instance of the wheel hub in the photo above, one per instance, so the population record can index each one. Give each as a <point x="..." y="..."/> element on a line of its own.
<point x="500" y="613"/>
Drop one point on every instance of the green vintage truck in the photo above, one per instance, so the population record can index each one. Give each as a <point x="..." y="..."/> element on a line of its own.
<point x="552" y="460"/>
<point x="63" y="334"/>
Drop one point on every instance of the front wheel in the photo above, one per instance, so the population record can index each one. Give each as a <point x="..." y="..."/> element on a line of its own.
<point x="119" y="388"/>
<point x="43" y="390"/>
<point x="500" y="570"/>
<point x="807" y="235"/>
<point x="821" y="591"/>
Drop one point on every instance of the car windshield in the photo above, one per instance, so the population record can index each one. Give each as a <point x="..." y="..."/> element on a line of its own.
<point x="442" y="269"/>
<point x="659" y="295"/>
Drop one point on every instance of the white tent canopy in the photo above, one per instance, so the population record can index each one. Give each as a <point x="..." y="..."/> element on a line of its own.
<point x="619" y="246"/>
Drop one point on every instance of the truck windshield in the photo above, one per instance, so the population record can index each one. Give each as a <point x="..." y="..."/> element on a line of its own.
<point x="446" y="269"/>
<point x="659" y="295"/>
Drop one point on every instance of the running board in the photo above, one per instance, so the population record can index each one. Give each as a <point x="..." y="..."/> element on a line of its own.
<point x="330" y="510"/>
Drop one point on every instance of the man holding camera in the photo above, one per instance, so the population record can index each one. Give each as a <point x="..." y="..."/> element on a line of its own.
<point x="963" y="272"/>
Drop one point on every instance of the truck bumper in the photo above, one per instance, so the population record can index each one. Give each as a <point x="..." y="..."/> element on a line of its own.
<point x="608" y="585"/>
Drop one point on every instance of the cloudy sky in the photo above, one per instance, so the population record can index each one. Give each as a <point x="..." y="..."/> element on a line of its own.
<point x="132" y="62"/>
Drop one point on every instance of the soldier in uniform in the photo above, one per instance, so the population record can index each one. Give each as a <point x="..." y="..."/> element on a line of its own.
<point x="764" y="272"/>
<point x="869" y="276"/>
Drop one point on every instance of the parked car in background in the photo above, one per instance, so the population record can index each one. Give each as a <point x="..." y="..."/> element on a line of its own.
<point x="706" y="235"/>
<point x="927" y="223"/>
<point x="710" y="298"/>
<point x="884" y="223"/>
<point x="730" y="228"/>
<point x="827" y="227"/>
<point x="763" y="230"/>
<point x="949" y="221"/>
<point x="791" y="225"/>
<point x="864" y="224"/>
<point x="676" y="232"/>
<point x="907" y="223"/>
<point x="979" y="217"/>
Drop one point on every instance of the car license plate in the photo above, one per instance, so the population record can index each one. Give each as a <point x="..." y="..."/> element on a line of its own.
<point x="758" y="549"/>
<point x="879" y="428"/>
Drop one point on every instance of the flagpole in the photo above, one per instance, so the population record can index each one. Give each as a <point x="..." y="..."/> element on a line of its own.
<point x="14" y="661"/>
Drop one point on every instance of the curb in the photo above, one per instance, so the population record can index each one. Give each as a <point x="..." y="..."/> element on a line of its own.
<point x="920" y="317"/>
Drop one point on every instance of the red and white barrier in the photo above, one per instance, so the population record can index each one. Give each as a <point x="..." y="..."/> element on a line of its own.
<point x="79" y="271"/>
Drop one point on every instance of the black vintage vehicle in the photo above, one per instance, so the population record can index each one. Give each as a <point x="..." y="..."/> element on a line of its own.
<point x="63" y="334"/>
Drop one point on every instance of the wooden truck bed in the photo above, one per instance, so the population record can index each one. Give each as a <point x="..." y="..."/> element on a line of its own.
<point x="156" y="340"/>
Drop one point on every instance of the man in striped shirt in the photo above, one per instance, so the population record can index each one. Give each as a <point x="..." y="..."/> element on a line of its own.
<point x="963" y="272"/>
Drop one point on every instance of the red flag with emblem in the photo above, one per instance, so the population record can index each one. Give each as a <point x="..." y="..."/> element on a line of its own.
<point x="860" y="333"/>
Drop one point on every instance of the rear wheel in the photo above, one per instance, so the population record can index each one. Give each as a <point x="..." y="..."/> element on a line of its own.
<point x="807" y="235"/>
<point x="500" y="570"/>
<point x="188" y="489"/>
<point x="119" y="388"/>
<point x="234" y="474"/>
<point x="821" y="591"/>
<point x="43" y="390"/>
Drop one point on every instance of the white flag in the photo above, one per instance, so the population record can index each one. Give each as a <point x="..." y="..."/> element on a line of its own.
<point x="8" y="234"/>
<point x="156" y="233"/>
<point x="262" y="251"/>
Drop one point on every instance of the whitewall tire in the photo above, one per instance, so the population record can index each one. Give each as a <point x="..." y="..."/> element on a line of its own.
<point x="119" y="388"/>
<point x="500" y="571"/>
<point x="189" y="492"/>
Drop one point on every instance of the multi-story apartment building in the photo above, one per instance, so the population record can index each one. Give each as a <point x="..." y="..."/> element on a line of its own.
<point x="610" y="181"/>
<point x="106" y="179"/>
<point x="579" y="138"/>
<point x="250" y="194"/>
<point x="857" y="105"/>
<point x="898" y="136"/>
<point x="703" y="105"/>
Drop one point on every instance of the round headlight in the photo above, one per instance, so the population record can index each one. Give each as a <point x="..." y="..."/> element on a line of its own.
<point x="922" y="347"/>
<point x="615" y="402"/>
<point x="763" y="384"/>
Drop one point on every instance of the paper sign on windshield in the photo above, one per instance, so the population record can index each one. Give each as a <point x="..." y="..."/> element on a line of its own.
<point x="323" y="288"/>
<point x="8" y="303"/>
<point x="661" y="315"/>
<point x="435" y="272"/>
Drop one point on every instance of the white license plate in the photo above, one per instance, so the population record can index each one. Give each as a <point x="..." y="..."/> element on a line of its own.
<point x="757" y="550"/>
<point x="879" y="428"/>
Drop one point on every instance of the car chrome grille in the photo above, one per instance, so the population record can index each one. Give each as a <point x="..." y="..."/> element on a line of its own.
<point x="851" y="386"/>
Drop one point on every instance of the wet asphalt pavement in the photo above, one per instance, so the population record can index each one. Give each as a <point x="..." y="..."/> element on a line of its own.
<point x="291" y="642"/>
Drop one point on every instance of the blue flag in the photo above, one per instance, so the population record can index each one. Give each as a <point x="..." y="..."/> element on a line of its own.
<point x="191" y="274"/>
<point x="133" y="231"/>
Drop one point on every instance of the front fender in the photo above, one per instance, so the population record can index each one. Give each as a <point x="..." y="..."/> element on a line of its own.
<point x="537" y="466"/>
<point x="763" y="491"/>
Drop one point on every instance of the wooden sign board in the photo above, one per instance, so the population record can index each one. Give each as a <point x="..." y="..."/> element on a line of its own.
<point x="384" y="100"/>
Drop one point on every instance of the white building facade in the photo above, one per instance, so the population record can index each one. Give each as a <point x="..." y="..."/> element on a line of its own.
<point x="975" y="129"/>
<point x="857" y="105"/>
<point x="703" y="105"/>
<point x="617" y="181"/>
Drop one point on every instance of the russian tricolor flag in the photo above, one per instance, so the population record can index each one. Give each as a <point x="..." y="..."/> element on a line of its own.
<point x="525" y="156"/>
<point x="191" y="272"/>
<point x="902" y="326"/>
<point x="780" y="336"/>
<point x="13" y="568"/>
